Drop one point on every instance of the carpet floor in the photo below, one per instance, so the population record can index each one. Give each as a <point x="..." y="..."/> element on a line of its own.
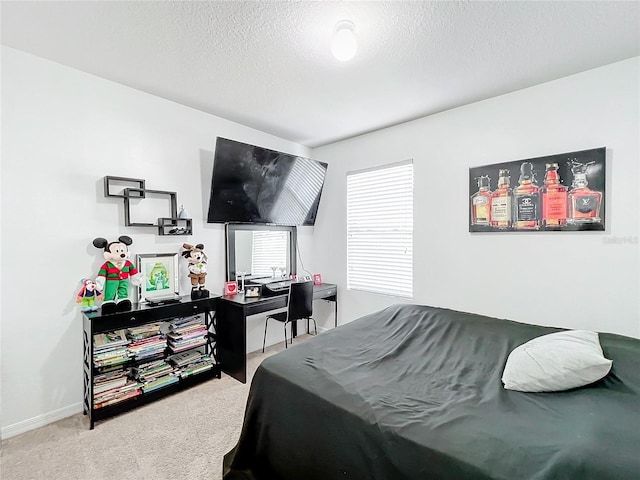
<point x="182" y="436"/>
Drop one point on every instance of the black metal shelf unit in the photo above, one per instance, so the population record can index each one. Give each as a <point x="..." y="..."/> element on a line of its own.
<point x="141" y="314"/>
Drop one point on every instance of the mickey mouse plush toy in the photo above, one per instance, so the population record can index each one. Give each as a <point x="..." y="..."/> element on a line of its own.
<point x="113" y="277"/>
<point x="197" y="269"/>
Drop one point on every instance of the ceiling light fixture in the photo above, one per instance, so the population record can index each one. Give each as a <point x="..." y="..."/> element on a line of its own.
<point x="345" y="45"/>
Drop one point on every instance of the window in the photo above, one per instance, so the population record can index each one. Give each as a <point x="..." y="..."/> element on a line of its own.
<point x="380" y="230"/>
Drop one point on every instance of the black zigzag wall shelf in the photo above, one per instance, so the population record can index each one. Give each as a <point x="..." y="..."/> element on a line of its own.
<point x="134" y="189"/>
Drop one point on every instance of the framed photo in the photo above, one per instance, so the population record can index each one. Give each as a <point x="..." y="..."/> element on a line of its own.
<point x="252" y="291"/>
<point x="561" y="192"/>
<point x="230" y="288"/>
<point x="161" y="275"/>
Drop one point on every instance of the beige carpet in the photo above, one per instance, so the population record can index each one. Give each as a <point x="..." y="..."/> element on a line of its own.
<point x="183" y="436"/>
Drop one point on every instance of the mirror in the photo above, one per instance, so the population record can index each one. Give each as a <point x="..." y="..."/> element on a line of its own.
<point x="260" y="251"/>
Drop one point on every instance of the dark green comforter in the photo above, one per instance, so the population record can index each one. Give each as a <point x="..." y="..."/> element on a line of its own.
<point x="414" y="392"/>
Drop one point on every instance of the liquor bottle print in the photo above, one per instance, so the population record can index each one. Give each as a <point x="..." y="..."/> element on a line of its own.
<point x="584" y="203"/>
<point x="501" y="202"/>
<point x="481" y="202"/>
<point x="526" y="198"/>
<point x="554" y="198"/>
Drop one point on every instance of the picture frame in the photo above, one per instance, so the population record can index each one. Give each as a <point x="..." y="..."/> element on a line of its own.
<point x="563" y="192"/>
<point x="252" y="291"/>
<point x="230" y="288"/>
<point x="160" y="272"/>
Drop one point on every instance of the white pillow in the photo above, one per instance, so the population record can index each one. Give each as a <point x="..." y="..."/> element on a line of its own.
<point x="554" y="362"/>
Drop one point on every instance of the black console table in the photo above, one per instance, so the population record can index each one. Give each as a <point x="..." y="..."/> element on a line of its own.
<point x="232" y="324"/>
<point x="141" y="314"/>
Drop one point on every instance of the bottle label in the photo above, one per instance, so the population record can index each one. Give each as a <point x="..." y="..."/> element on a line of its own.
<point x="481" y="210"/>
<point x="527" y="208"/>
<point x="501" y="209"/>
<point x="482" y="214"/>
<point x="554" y="206"/>
<point x="586" y="203"/>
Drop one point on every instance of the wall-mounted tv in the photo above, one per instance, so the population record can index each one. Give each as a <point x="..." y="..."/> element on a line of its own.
<point x="252" y="184"/>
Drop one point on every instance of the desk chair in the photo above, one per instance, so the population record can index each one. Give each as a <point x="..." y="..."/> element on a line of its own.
<point x="299" y="306"/>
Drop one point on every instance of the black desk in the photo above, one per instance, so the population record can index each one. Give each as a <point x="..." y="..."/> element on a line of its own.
<point x="232" y="324"/>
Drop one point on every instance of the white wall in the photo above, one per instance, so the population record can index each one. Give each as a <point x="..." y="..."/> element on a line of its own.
<point x="63" y="131"/>
<point x="584" y="280"/>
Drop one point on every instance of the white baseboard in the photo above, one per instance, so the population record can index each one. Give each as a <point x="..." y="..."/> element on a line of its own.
<point x="40" y="420"/>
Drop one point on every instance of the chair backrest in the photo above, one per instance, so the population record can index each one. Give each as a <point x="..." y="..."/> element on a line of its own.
<point x="300" y="300"/>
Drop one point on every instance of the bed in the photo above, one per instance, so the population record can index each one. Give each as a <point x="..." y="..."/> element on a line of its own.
<point x="415" y="392"/>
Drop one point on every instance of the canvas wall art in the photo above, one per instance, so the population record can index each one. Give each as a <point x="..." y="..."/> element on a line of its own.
<point x="562" y="192"/>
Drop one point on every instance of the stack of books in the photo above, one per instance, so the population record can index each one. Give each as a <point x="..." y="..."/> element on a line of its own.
<point x="110" y="349"/>
<point x="186" y="333"/>
<point x="191" y="362"/>
<point x="113" y="387"/>
<point x="147" y="341"/>
<point x="155" y="375"/>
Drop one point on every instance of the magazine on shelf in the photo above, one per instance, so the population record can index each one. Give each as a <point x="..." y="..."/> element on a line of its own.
<point x="109" y="385"/>
<point x="184" y="358"/>
<point x="126" y="396"/>
<point x="103" y="377"/>
<point x="110" y="339"/>
<point x="195" y="371"/>
<point x="116" y="392"/>
<point x="159" y="383"/>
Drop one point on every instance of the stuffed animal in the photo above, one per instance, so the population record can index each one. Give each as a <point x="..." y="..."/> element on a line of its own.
<point x="87" y="295"/>
<point x="197" y="269"/>
<point x="114" y="275"/>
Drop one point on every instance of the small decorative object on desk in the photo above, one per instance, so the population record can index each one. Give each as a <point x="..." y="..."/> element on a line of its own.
<point x="197" y="269"/>
<point x="317" y="279"/>
<point x="230" y="288"/>
<point x="86" y="297"/>
<point x="113" y="277"/>
<point x="182" y="213"/>
<point x="252" y="291"/>
<point x="240" y="279"/>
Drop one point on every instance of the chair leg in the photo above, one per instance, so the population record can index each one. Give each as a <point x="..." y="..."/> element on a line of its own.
<point x="315" y="325"/>
<point x="285" y="336"/>
<point x="264" y="339"/>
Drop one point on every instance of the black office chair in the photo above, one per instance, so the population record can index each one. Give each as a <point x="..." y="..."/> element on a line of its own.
<point x="299" y="306"/>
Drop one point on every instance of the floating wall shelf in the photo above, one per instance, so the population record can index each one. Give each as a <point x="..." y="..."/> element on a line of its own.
<point x="134" y="188"/>
<point x="174" y="226"/>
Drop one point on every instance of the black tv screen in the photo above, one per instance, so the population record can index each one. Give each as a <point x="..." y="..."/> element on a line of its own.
<point x="252" y="184"/>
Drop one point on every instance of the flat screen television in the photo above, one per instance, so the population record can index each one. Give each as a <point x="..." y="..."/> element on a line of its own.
<point x="252" y="184"/>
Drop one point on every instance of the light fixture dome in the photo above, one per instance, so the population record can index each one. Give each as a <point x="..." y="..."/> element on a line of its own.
<point x="345" y="44"/>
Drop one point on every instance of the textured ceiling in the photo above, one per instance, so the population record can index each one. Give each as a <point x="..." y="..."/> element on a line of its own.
<point x="268" y="64"/>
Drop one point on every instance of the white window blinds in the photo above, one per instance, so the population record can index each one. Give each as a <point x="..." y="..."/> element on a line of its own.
<point x="380" y="230"/>
<point x="269" y="250"/>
